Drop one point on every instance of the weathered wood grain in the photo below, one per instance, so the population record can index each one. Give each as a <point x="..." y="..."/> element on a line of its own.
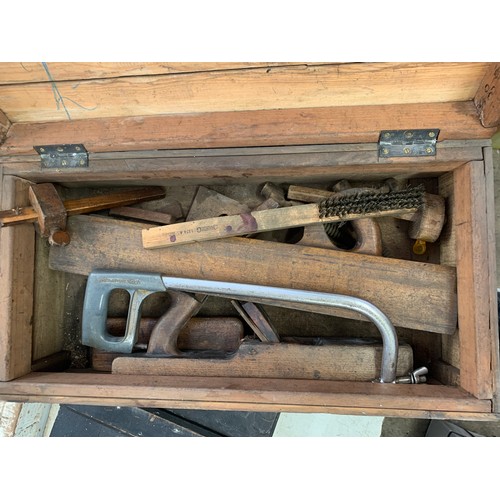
<point x="249" y="89"/>
<point x="490" y="217"/>
<point x="487" y="98"/>
<point x="275" y="166"/>
<point x="32" y="72"/>
<point x="243" y="393"/>
<point x="413" y="294"/>
<point x="17" y="248"/>
<point x="475" y="254"/>
<point x="48" y="308"/>
<point x="221" y="334"/>
<point x="322" y="125"/>
<point x="250" y="223"/>
<point x="353" y="362"/>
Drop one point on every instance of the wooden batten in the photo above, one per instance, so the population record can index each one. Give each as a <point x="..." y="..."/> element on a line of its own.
<point x="249" y="165"/>
<point x="323" y="125"/>
<point x="17" y="247"/>
<point x="476" y="291"/>
<point x="246" y="394"/>
<point x="243" y="90"/>
<point x="487" y="98"/>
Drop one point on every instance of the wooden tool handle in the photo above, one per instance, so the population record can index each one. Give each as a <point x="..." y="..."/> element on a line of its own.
<point x="249" y="223"/>
<point x="86" y="205"/>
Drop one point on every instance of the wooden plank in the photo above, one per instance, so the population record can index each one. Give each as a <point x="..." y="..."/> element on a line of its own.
<point x="322" y="125"/>
<point x="249" y="89"/>
<point x="49" y="308"/>
<point x="222" y="169"/>
<point x="487" y="98"/>
<point x="265" y="407"/>
<point x="342" y="361"/>
<point x="17" y="247"/>
<point x="496" y="186"/>
<point x="223" y="392"/>
<point x="32" y="72"/>
<point x="413" y="294"/>
<point x="492" y="273"/>
<point x="475" y="251"/>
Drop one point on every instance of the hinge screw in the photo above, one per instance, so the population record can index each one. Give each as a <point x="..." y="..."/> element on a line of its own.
<point x="77" y="148"/>
<point x="42" y="150"/>
<point x="429" y="150"/>
<point x="431" y="134"/>
<point x="408" y="135"/>
<point x="82" y="162"/>
<point x="387" y="135"/>
<point x="406" y="151"/>
<point x="385" y="151"/>
<point x="63" y="163"/>
<point x="60" y="150"/>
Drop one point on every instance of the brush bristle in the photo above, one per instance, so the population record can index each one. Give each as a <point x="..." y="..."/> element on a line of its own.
<point x="364" y="203"/>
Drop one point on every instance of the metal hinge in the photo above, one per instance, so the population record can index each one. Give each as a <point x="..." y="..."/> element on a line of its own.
<point x="63" y="156"/>
<point x="420" y="142"/>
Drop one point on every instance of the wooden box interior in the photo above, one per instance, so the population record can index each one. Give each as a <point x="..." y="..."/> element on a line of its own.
<point x="40" y="308"/>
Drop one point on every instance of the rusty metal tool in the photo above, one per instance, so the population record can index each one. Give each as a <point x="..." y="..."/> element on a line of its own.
<point x="101" y="284"/>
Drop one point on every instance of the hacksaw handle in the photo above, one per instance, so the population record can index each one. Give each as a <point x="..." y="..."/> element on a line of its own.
<point x="100" y="285"/>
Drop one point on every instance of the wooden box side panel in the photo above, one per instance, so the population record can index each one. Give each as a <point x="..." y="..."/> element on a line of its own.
<point x="476" y="262"/>
<point x="491" y="219"/>
<point x="17" y="252"/>
<point x="249" y="394"/>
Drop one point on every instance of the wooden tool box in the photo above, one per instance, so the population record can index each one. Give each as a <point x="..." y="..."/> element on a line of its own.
<point x="182" y="125"/>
